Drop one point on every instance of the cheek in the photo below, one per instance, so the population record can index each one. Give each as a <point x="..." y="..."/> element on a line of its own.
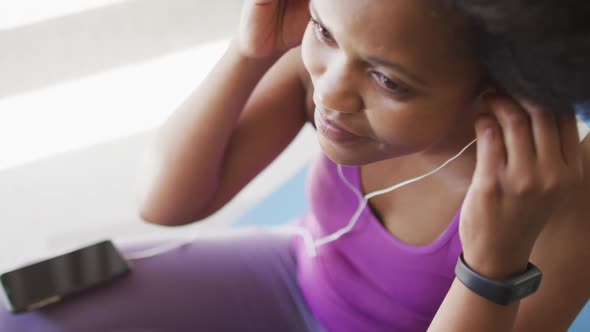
<point x="309" y="53"/>
<point x="412" y="128"/>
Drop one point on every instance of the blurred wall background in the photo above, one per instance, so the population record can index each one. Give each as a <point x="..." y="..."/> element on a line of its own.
<point x="84" y="85"/>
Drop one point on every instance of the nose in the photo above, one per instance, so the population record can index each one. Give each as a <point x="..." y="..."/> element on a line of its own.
<point x="336" y="88"/>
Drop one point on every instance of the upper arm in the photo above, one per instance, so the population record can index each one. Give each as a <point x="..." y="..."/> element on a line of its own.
<point x="272" y="117"/>
<point x="562" y="252"/>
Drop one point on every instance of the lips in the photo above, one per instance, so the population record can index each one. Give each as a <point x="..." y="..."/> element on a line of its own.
<point x="331" y="130"/>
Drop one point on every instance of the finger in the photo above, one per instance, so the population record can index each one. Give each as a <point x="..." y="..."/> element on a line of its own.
<point x="569" y="138"/>
<point x="491" y="152"/>
<point x="545" y="132"/>
<point x="516" y="131"/>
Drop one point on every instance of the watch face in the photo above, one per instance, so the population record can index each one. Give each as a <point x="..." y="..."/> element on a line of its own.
<point x="503" y="291"/>
<point x="526" y="289"/>
<point x="527" y="283"/>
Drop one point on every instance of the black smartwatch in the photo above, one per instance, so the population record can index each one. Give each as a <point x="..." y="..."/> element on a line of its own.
<point x="503" y="291"/>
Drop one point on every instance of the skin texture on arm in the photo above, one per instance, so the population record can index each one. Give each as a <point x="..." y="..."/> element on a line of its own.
<point x="234" y="124"/>
<point x="560" y="251"/>
<point x="273" y="117"/>
<point x="222" y="137"/>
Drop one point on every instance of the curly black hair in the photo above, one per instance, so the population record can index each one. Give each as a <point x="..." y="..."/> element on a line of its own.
<point x="539" y="49"/>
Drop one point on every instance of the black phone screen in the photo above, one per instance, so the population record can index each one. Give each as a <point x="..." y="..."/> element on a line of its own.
<point x="49" y="280"/>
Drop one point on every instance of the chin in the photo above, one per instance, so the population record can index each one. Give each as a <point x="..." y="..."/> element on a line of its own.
<point x="359" y="155"/>
<point x="347" y="156"/>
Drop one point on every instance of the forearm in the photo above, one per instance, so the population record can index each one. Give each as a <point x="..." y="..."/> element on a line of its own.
<point x="464" y="310"/>
<point x="183" y="163"/>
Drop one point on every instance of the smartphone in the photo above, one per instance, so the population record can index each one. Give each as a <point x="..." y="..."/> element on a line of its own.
<point x="48" y="281"/>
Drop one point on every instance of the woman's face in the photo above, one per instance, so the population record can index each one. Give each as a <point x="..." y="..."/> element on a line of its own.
<point x="391" y="78"/>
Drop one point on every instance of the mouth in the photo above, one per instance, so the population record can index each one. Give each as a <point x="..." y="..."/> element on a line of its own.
<point x="331" y="130"/>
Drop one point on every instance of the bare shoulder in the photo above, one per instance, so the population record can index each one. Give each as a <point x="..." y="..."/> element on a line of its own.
<point x="562" y="252"/>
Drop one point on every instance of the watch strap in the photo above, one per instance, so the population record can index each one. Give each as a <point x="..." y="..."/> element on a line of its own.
<point x="504" y="291"/>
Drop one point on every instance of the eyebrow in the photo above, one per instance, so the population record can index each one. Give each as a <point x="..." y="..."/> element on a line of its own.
<point x="373" y="59"/>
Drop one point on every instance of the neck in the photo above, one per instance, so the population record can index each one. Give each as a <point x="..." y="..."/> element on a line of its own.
<point x="455" y="175"/>
<point x="460" y="170"/>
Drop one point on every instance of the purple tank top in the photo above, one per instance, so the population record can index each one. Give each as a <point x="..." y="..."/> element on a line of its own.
<point x="368" y="280"/>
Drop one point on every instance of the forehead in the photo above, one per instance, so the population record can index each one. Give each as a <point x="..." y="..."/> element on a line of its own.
<point x="418" y="33"/>
<point x="379" y="13"/>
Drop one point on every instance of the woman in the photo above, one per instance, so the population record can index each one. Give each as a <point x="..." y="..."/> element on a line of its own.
<point x="395" y="89"/>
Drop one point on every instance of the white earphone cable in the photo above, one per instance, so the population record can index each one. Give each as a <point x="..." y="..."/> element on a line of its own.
<point x="311" y="245"/>
<point x="363" y="200"/>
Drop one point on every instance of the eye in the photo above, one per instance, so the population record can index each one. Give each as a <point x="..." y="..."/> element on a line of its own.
<point x="321" y="32"/>
<point x="388" y="84"/>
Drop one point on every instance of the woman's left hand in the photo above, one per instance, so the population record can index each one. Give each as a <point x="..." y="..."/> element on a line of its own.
<point x="528" y="162"/>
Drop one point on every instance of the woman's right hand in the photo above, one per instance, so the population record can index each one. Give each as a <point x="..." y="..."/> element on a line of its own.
<point x="271" y="27"/>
